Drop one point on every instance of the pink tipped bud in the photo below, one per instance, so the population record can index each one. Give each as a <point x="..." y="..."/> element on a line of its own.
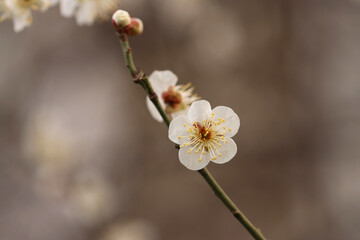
<point x="121" y="19"/>
<point x="135" y="28"/>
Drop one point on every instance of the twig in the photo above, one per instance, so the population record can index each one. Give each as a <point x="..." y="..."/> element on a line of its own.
<point x="140" y="78"/>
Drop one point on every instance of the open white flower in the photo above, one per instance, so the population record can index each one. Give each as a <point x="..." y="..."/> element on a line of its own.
<point x="175" y="99"/>
<point x="204" y="135"/>
<point x="88" y="11"/>
<point x="20" y="11"/>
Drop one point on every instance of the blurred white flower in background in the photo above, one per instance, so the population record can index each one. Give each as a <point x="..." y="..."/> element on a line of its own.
<point x="88" y="11"/>
<point x="175" y="99"/>
<point x="204" y="135"/>
<point x="91" y="199"/>
<point x="20" y="11"/>
<point x="133" y="230"/>
<point x="51" y="147"/>
<point x="179" y="12"/>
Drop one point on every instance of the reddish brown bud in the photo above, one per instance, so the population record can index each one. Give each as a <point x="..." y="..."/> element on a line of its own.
<point x="136" y="27"/>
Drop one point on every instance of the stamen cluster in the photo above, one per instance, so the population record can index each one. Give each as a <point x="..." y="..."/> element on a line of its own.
<point x="206" y="137"/>
<point x="175" y="99"/>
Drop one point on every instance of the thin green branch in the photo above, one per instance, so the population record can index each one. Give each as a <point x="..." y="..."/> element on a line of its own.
<point x="219" y="192"/>
<point x="141" y="78"/>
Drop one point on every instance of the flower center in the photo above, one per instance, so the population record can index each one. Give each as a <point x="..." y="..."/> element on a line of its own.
<point x="204" y="133"/>
<point x="179" y="98"/>
<point x="171" y="97"/>
<point x="35" y="4"/>
<point x="206" y="137"/>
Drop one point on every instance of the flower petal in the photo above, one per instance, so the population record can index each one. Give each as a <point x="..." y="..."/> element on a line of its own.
<point x="67" y="7"/>
<point x="191" y="160"/>
<point x="178" y="128"/>
<point x="22" y="20"/>
<point x="232" y="121"/>
<point x="86" y="14"/>
<point x="53" y="2"/>
<point x="153" y="111"/>
<point x="199" y="111"/>
<point x="180" y="113"/>
<point x="162" y="80"/>
<point x="227" y="150"/>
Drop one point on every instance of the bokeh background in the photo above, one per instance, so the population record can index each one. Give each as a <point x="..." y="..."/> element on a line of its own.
<point x="81" y="157"/>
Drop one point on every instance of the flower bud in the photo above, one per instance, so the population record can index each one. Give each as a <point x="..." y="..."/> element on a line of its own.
<point x="135" y="28"/>
<point x="121" y="19"/>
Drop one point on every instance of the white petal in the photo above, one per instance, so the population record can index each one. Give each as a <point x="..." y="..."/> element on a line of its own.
<point x="54" y="2"/>
<point x="162" y="80"/>
<point x="67" y="7"/>
<point x="153" y="111"/>
<point x="191" y="161"/>
<point x="199" y="111"/>
<point x="179" y="113"/>
<point x="22" y="20"/>
<point x="228" y="151"/>
<point x="178" y="127"/>
<point x="86" y="14"/>
<point x="232" y="121"/>
<point x="12" y="6"/>
<point x="45" y="4"/>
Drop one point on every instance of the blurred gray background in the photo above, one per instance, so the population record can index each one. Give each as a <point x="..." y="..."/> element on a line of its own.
<point x="81" y="156"/>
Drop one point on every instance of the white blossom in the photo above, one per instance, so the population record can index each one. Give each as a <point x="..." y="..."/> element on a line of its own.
<point x="20" y="11"/>
<point x="175" y="99"/>
<point x="204" y="135"/>
<point x="88" y="11"/>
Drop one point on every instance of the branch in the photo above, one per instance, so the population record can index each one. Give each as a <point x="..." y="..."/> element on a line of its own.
<point x="141" y="78"/>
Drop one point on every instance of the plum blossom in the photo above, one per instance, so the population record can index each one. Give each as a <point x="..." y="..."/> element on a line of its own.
<point x="204" y="135"/>
<point x="88" y="11"/>
<point x="175" y="99"/>
<point x="20" y="11"/>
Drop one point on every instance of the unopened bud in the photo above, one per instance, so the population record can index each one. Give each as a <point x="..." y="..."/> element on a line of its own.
<point x="135" y="28"/>
<point x="121" y="19"/>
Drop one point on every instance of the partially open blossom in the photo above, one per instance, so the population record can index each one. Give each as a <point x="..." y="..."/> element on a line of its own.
<point x="88" y="11"/>
<point x="20" y="11"/>
<point x="204" y="135"/>
<point x="121" y="19"/>
<point x="175" y="99"/>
